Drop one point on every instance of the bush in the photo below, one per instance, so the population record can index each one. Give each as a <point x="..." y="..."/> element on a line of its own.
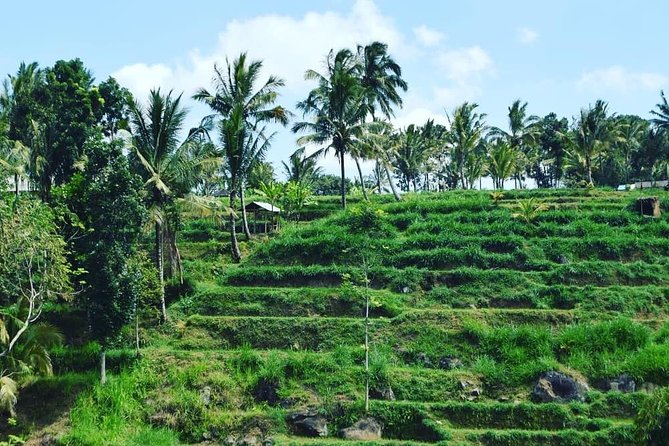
<point x="652" y="422"/>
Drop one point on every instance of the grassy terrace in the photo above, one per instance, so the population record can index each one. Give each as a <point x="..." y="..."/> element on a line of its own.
<point x="583" y="290"/>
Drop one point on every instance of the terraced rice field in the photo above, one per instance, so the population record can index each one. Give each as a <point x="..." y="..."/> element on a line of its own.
<point x="469" y="307"/>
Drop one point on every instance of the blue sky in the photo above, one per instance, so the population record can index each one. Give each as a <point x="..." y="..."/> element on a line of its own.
<point x="559" y="56"/>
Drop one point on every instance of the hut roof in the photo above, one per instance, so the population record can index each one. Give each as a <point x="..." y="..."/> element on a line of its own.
<point x="261" y="206"/>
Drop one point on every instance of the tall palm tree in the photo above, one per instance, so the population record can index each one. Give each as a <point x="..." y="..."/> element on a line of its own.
<point x="591" y="138"/>
<point x="467" y="128"/>
<point x="662" y="113"/>
<point x="302" y="168"/>
<point x="242" y="108"/>
<point x="522" y="137"/>
<point x="171" y="168"/>
<point x="381" y="78"/>
<point x="338" y="108"/>
<point x="631" y="138"/>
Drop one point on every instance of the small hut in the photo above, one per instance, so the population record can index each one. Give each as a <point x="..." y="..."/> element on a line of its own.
<point x="264" y="217"/>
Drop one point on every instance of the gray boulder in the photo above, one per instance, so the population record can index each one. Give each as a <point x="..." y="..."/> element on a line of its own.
<point x="382" y="393"/>
<point x="364" y="429"/>
<point x="624" y="383"/>
<point x="556" y="387"/>
<point x="449" y="363"/>
<point x="308" y="422"/>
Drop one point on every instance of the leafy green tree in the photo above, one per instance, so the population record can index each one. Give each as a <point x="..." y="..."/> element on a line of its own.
<point x="107" y="199"/>
<point x="337" y="106"/>
<point x="69" y="110"/>
<point x="467" y="128"/>
<point x="114" y="110"/>
<point x="329" y="184"/>
<point x="548" y="168"/>
<point x="243" y="108"/>
<point x="33" y="271"/>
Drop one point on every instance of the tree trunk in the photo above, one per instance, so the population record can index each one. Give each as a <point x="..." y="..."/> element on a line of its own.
<point x="378" y="177"/>
<point x="137" y="332"/>
<point x="366" y="341"/>
<point x="245" y="221"/>
<point x="234" y="245"/>
<point x="161" y="272"/>
<point x="342" y="188"/>
<point x="588" y="165"/>
<point x="393" y="187"/>
<point x="103" y="366"/>
<point x="16" y="185"/>
<point x="362" y="180"/>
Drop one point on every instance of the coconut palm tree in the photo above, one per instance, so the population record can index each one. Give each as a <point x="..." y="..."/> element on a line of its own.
<point x="633" y="132"/>
<point x="412" y="149"/>
<point x="501" y="162"/>
<point x="522" y="137"/>
<point x="170" y="167"/>
<point x="381" y="78"/>
<point x="379" y="143"/>
<point x="302" y="168"/>
<point x="591" y="138"/>
<point x="242" y="108"/>
<point x="337" y="107"/>
<point x="16" y="125"/>
<point x="662" y="113"/>
<point x="467" y="128"/>
<point x="14" y="160"/>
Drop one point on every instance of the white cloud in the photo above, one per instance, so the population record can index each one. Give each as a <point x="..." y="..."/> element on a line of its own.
<point x="527" y="36"/>
<point x="465" y="65"/>
<point x="289" y="45"/>
<point x="273" y="38"/>
<point x="427" y="36"/>
<point x="621" y="80"/>
<point x="419" y="116"/>
<point x="450" y="97"/>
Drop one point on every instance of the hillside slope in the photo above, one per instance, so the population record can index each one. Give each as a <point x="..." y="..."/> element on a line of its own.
<point x="470" y="307"/>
